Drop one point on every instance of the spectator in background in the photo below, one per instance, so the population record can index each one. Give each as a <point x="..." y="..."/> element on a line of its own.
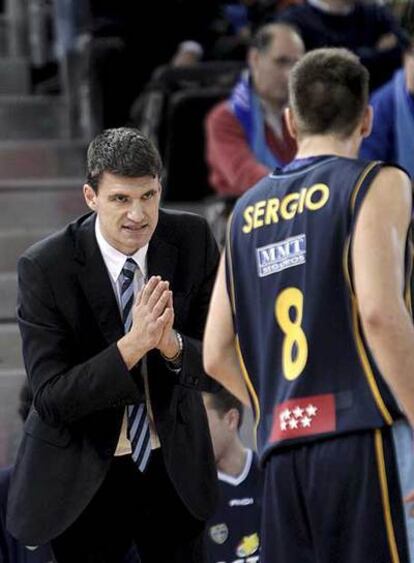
<point x="131" y="39"/>
<point x="366" y="28"/>
<point x="246" y="135"/>
<point x="233" y="531"/>
<point x="392" y="136"/>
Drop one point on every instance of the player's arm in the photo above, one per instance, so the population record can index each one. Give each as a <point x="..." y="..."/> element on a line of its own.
<point x="219" y="351"/>
<point x="378" y="261"/>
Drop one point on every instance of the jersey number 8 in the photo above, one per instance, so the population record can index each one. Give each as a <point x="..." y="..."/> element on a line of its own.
<point x="295" y="345"/>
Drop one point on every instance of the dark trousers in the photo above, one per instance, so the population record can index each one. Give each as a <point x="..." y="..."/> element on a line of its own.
<point x="132" y="507"/>
<point x="334" y="501"/>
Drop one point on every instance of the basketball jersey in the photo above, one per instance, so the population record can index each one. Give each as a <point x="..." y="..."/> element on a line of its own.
<point x="232" y="534"/>
<point x="303" y="353"/>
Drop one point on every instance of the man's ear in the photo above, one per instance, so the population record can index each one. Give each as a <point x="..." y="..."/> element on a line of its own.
<point x="90" y="196"/>
<point x="367" y="121"/>
<point x="290" y="123"/>
<point x="233" y="418"/>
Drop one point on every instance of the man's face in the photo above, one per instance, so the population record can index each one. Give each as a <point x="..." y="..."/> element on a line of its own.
<point x="270" y="68"/>
<point x="127" y="209"/>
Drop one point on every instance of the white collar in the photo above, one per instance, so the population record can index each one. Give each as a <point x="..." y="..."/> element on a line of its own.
<point x="244" y="473"/>
<point x="115" y="260"/>
<point x="325" y="7"/>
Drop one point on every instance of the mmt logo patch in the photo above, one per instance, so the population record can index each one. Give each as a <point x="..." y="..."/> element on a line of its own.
<point x="276" y="257"/>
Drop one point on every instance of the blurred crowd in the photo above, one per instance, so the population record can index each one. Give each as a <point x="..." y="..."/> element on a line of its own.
<point x="212" y="72"/>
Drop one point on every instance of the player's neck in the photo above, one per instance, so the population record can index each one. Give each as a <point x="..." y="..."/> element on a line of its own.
<point x="318" y="145"/>
<point x="234" y="461"/>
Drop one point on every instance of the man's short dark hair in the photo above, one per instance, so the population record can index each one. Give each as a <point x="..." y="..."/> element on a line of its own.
<point x="123" y="151"/>
<point x="328" y="92"/>
<point x="223" y="401"/>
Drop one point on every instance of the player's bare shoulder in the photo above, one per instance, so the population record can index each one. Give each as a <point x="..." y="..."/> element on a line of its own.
<point x="393" y="183"/>
<point x="389" y="199"/>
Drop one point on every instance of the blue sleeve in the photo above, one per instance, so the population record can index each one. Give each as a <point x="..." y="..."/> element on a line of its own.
<point x="380" y="144"/>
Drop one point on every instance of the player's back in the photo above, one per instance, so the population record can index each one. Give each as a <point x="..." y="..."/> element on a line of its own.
<point x="296" y="312"/>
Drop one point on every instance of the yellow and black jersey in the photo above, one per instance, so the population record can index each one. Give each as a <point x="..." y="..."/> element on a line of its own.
<point x="306" y="363"/>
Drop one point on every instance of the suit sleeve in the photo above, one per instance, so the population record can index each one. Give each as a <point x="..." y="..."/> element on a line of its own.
<point x="192" y="373"/>
<point x="66" y="386"/>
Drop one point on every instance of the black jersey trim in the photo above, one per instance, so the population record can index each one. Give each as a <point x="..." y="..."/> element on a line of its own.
<point x="382" y="476"/>
<point x="361" y="182"/>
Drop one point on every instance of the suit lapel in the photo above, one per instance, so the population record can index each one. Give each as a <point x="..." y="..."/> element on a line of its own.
<point x="162" y="259"/>
<point x="95" y="282"/>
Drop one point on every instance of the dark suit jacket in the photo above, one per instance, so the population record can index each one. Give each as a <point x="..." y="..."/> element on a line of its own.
<point x="12" y="551"/>
<point x="70" y="322"/>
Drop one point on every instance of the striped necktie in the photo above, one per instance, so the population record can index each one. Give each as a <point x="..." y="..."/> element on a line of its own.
<point x="138" y="427"/>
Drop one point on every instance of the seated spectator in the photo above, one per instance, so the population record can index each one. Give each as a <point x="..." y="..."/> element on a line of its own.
<point x="246" y="135"/>
<point x="392" y="136"/>
<point x="366" y="28"/>
<point x="233" y="532"/>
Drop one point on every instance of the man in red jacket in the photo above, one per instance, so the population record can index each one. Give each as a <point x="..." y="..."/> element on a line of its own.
<point x="246" y="134"/>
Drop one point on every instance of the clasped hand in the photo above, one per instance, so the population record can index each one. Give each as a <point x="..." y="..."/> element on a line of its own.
<point x="153" y="317"/>
<point x="152" y="322"/>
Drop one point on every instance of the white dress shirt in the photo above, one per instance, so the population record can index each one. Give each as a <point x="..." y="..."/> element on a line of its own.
<point x="114" y="262"/>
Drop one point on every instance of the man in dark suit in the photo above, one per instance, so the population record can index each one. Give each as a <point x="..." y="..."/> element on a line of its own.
<point x="111" y="311"/>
